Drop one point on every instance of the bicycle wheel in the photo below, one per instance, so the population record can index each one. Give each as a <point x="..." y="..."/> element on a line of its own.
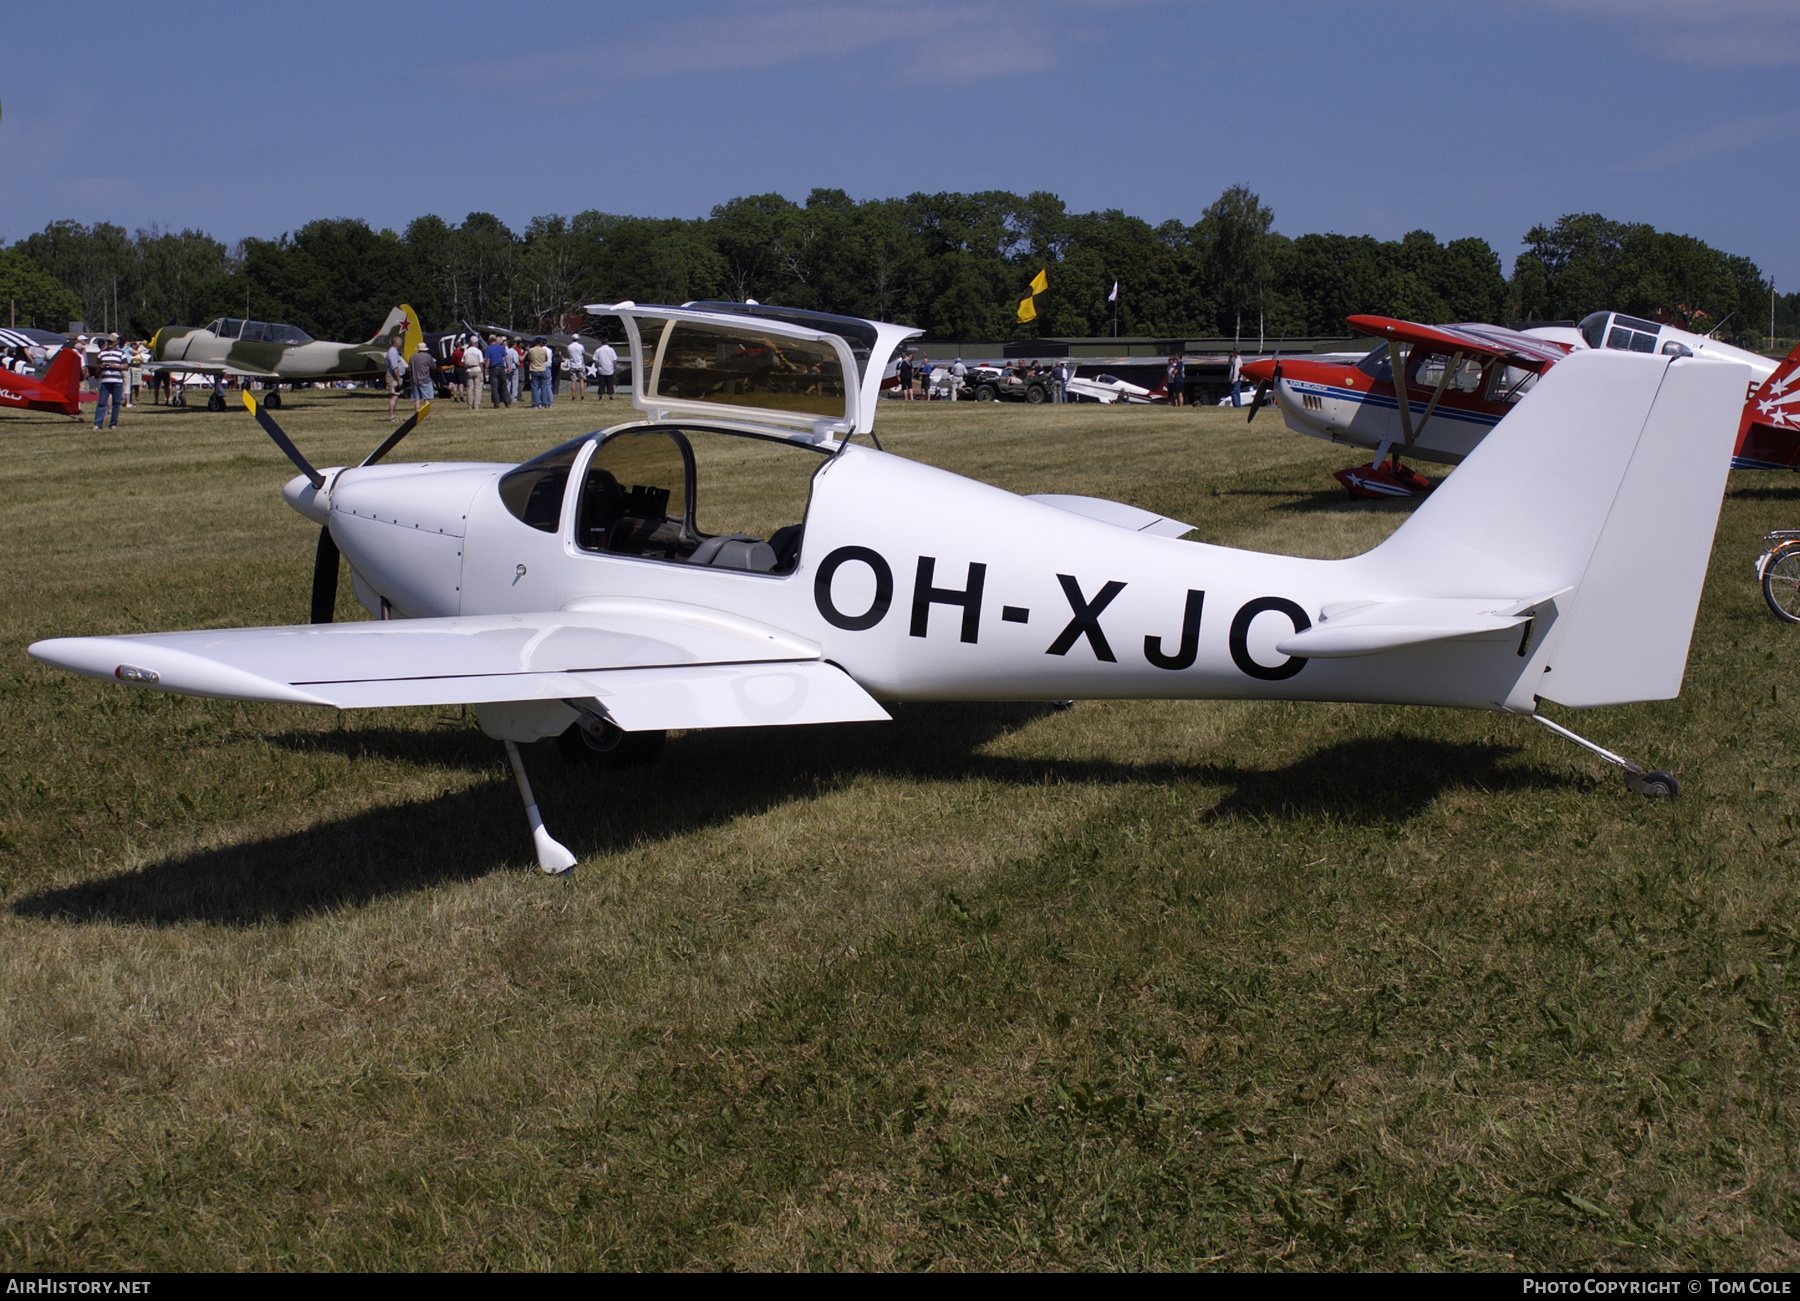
<point x="1781" y="582"/>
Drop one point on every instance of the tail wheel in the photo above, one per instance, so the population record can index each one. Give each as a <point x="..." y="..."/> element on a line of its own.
<point x="606" y="746"/>
<point x="1660" y="785"/>
<point x="1781" y="582"/>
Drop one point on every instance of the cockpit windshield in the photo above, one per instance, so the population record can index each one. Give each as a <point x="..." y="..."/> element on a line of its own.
<point x="1627" y="333"/>
<point x="264" y="332"/>
<point x="1378" y="366"/>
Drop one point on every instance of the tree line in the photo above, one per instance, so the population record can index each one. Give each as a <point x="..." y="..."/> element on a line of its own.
<point x="954" y="264"/>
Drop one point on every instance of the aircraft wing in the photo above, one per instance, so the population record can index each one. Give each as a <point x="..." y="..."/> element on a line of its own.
<point x="234" y="369"/>
<point x="1524" y="350"/>
<point x="652" y="665"/>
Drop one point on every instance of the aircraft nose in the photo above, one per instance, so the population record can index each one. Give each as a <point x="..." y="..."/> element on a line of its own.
<point x="311" y="502"/>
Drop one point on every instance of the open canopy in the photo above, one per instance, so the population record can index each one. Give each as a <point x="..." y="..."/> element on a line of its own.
<point x="808" y="371"/>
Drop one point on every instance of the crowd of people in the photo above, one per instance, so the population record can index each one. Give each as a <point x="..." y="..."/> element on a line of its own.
<point x="497" y="368"/>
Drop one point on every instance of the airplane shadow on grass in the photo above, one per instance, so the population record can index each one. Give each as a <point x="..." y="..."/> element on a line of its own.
<point x="705" y="779"/>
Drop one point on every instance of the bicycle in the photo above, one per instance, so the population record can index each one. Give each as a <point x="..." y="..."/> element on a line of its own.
<point x="1778" y="568"/>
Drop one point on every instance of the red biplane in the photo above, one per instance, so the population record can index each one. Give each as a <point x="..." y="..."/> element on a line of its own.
<point x="1460" y="380"/>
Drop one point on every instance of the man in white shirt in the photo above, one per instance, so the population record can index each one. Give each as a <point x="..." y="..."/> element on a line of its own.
<point x="606" y="365"/>
<point x="396" y="372"/>
<point x="577" y="368"/>
<point x="957" y="372"/>
<point x="471" y="360"/>
<point x="113" y="365"/>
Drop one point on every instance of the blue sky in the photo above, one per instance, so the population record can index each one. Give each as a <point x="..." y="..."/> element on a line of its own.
<point x="1458" y="118"/>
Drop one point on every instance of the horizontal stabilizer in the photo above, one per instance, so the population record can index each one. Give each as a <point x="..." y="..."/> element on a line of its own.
<point x="1116" y="513"/>
<point x="1374" y="627"/>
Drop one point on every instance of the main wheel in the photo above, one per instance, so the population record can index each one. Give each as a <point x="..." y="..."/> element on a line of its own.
<point x="215" y="403"/>
<point x="272" y="399"/>
<point x="609" y="747"/>
<point x="1781" y="582"/>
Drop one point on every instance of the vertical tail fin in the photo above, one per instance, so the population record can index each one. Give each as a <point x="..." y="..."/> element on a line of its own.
<point x="401" y="316"/>
<point x="1769" y="433"/>
<point x="1607" y="480"/>
<point x="64" y="376"/>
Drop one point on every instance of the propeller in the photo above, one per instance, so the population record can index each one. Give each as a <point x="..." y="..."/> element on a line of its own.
<point x="1262" y="391"/>
<point x="325" y="559"/>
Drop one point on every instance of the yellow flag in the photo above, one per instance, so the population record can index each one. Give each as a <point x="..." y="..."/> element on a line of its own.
<point x="1027" y="310"/>
<point x="1039" y="283"/>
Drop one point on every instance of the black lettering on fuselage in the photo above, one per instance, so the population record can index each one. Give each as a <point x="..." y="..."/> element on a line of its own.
<point x="1240" y="638"/>
<point x="884" y="589"/>
<point x="1087" y="619"/>
<point x="925" y="596"/>
<point x="1190" y="637"/>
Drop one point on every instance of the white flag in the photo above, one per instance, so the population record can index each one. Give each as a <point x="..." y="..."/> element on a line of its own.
<point x="1113" y="297"/>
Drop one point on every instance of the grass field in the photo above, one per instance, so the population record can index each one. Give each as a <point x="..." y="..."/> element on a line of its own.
<point x="1163" y="985"/>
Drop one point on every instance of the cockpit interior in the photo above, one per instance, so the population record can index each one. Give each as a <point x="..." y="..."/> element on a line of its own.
<point x="677" y="494"/>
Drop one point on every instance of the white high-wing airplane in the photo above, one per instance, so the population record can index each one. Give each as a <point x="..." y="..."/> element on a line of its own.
<point x="595" y="594"/>
<point x="1110" y="389"/>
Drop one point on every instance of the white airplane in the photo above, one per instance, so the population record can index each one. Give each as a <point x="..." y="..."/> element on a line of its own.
<point x="1110" y="389"/>
<point x="597" y="595"/>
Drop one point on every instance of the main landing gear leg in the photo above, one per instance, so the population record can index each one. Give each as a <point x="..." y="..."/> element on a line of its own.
<point x="553" y="857"/>
<point x="1655" y="784"/>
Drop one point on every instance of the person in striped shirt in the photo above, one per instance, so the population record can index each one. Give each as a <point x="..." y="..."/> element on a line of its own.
<point x="113" y="366"/>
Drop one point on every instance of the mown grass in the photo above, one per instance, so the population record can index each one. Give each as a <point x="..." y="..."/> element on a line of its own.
<point x="1128" y="984"/>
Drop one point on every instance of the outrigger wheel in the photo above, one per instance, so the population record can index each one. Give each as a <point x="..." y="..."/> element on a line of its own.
<point x="1654" y="784"/>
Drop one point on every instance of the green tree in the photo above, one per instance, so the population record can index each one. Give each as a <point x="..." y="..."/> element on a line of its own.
<point x="33" y="296"/>
<point x="1233" y="241"/>
<point x="1587" y="263"/>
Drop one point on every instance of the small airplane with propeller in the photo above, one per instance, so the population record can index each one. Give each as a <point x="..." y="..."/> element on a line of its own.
<point x="614" y="588"/>
<point x="1462" y="380"/>
<point x="275" y="354"/>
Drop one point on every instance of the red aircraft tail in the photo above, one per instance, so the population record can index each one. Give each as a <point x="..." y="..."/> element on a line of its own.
<point x="64" y="377"/>
<point x="1769" y="431"/>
